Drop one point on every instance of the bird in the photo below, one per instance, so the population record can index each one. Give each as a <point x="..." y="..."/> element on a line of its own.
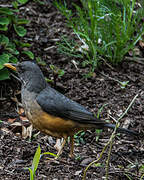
<point x="50" y="111"/>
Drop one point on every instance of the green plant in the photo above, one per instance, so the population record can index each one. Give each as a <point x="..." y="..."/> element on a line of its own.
<point x="49" y="153"/>
<point x="36" y="160"/>
<point x="67" y="46"/>
<point x="79" y="137"/>
<point x="35" y="163"/>
<point x="100" y="110"/>
<point x="57" y="71"/>
<point x="19" y="2"/>
<point x="110" y="143"/>
<point x="98" y="132"/>
<point x="107" y="30"/>
<point x="124" y="84"/>
<point x="141" y="169"/>
<point x="40" y="2"/>
<point x="128" y="176"/>
<point x="40" y="61"/>
<point x="11" y="29"/>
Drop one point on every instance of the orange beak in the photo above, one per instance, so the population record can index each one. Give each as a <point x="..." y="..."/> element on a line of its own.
<point x="10" y="66"/>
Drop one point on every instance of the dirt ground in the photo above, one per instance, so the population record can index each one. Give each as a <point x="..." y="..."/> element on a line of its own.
<point x="127" y="157"/>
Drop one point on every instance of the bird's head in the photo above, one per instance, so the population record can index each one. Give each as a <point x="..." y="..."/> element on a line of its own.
<point x="29" y="73"/>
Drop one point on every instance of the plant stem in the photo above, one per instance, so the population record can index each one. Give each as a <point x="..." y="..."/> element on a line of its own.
<point x="110" y="142"/>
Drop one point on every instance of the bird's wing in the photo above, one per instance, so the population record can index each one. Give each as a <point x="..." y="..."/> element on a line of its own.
<point x="55" y="103"/>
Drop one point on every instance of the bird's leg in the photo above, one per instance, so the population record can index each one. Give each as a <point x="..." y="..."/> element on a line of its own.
<point x="58" y="144"/>
<point x="60" y="150"/>
<point x="71" y="146"/>
<point x="29" y="132"/>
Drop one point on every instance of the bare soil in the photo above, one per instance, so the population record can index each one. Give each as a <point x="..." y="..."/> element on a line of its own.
<point x="45" y="29"/>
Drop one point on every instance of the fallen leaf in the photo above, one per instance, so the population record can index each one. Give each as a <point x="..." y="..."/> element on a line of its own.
<point x="83" y="48"/>
<point x="24" y="118"/>
<point x="77" y="172"/>
<point x="24" y="132"/>
<point x="5" y="130"/>
<point x="137" y="52"/>
<point x="16" y="124"/>
<point x="10" y="120"/>
<point x="127" y="122"/>
<point x="29" y="131"/>
<point x="18" y="134"/>
<point x="141" y="44"/>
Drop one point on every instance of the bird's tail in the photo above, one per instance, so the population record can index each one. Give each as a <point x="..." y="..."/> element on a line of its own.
<point x="121" y="130"/>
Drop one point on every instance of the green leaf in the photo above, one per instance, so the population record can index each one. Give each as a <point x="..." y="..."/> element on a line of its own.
<point x="12" y="49"/>
<point x="4" y="58"/>
<point x="100" y="110"/>
<point x="49" y="80"/>
<point x="36" y="160"/>
<point x="124" y="83"/>
<point x="61" y="72"/>
<point x="52" y="67"/>
<point x="3" y="28"/>
<point x="6" y="11"/>
<point x="49" y="153"/>
<point x="25" y="44"/>
<point x="13" y="59"/>
<point x="4" y="74"/>
<point x="98" y="164"/>
<point x="141" y="169"/>
<point x="40" y="2"/>
<point x="4" y="21"/>
<point x="10" y="55"/>
<point x="20" y="30"/>
<point x="3" y="40"/>
<point x="31" y="174"/>
<point x="40" y="61"/>
<point x="21" y="44"/>
<point x="22" y="1"/>
<point x="29" y="54"/>
<point x="15" y="4"/>
<point x="15" y="11"/>
<point x="22" y="21"/>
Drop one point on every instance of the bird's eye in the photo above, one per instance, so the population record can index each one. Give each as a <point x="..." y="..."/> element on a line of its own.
<point x="21" y="68"/>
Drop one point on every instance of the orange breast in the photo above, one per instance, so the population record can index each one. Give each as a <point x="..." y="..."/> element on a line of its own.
<point x="51" y="125"/>
<point x="55" y="123"/>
